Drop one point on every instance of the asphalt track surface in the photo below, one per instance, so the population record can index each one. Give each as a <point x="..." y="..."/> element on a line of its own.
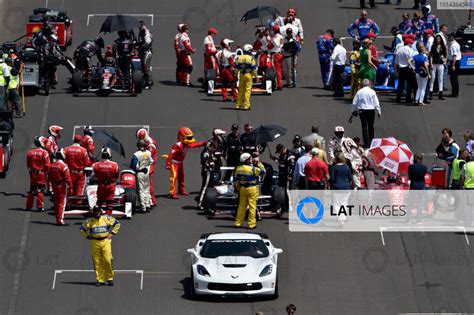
<point x="321" y="273"/>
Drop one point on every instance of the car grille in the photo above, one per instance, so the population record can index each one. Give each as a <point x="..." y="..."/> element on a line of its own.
<point x="234" y="287"/>
<point x="234" y="265"/>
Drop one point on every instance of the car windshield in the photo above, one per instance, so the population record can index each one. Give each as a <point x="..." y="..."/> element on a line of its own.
<point x="252" y="248"/>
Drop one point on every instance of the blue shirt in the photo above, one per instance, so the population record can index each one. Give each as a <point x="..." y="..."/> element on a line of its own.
<point x="364" y="27"/>
<point x="341" y="177"/>
<point x="420" y="60"/>
<point x="416" y="175"/>
<point x="299" y="167"/>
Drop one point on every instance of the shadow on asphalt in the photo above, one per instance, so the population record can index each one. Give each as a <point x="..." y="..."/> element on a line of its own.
<point x="20" y="209"/>
<point x="189" y="208"/>
<point x="169" y="83"/>
<point x="89" y="283"/>
<point x="12" y="194"/>
<point x="43" y="223"/>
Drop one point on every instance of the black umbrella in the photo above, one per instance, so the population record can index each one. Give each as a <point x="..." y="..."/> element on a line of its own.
<point x="119" y="22"/>
<point x="258" y="13"/>
<point x="269" y="133"/>
<point x="109" y="141"/>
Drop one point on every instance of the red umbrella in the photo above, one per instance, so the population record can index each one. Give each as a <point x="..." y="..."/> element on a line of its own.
<point x="391" y="154"/>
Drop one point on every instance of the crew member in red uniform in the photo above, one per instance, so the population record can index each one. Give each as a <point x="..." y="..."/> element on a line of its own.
<point x="107" y="173"/>
<point x="275" y="48"/>
<point x="176" y="50"/>
<point x="52" y="147"/>
<point x="226" y="70"/>
<point x="38" y="163"/>
<point x="184" y="56"/>
<point x="261" y="47"/>
<point x="210" y="50"/>
<point x="152" y="146"/>
<point x="77" y="159"/>
<point x="175" y="159"/>
<point x="62" y="184"/>
<point x="87" y="142"/>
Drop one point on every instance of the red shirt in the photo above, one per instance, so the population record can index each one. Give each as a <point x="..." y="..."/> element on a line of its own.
<point x="59" y="174"/>
<point x="38" y="160"/>
<point x="88" y="143"/>
<point x="106" y="170"/>
<point x="76" y="157"/>
<point x="316" y="170"/>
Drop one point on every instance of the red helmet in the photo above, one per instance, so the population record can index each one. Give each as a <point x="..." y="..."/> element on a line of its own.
<point x="54" y="131"/>
<point x="276" y="28"/>
<point x="212" y="31"/>
<point x="77" y="138"/>
<point x="142" y="134"/>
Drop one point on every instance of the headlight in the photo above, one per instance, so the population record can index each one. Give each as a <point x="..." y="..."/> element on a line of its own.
<point x="266" y="271"/>
<point x="202" y="271"/>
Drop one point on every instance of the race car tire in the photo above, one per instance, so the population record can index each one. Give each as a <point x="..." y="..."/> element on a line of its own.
<point x="76" y="82"/>
<point x="209" y="75"/>
<point x="278" y="199"/>
<point x="270" y="75"/>
<point x="130" y="195"/>
<point x="210" y="201"/>
<point x="137" y="81"/>
<point x="192" y="292"/>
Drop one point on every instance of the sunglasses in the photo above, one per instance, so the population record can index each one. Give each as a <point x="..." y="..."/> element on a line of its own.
<point x="189" y="137"/>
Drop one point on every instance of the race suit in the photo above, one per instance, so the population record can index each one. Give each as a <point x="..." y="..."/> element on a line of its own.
<point x="247" y="179"/>
<point x="179" y="71"/>
<point x="88" y="143"/>
<point x="141" y="162"/>
<point x="325" y="47"/>
<point x="210" y="50"/>
<point x="84" y="53"/>
<point x="247" y="68"/>
<point x="363" y="27"/>
<point x="210" y="172"/>
<point x="145" y="41"/>
<point x="107" y="173"/>
<point x="405" y="27"/>
<point x="431" y="22"/>
<point x="275" y="47"/>
<point x="185" y="63"/>
<point x="97" y="230"/>
<point x="174" y="163"/>
<point x="260" y="46"/>
<point x="122" y="51"/>
<point x="346" y="144"/>
<point x="77" y="160"/>
<point x="226" y="70"/>
<point x="286" y="167"/>
<point x="152" y="146"/>
<point x="38" y="163"/>
<point x="62" y="184"/>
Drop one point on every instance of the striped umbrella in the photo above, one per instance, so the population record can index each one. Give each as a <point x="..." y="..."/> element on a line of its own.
<point x="391" y="154"/>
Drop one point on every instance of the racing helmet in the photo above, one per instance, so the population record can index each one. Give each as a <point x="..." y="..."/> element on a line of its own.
<point x="54" y="38"/>
<point x="54" y="131"/>
<point x="60" y="155"/>
<point x="426" y="8"/>
<point x="186" y="136"/>
<point x="247" y="48"/>
<point x="180" y="26"/>
<point x="218" y="132"/>
<point x="225" y="43"/>
<point x="100" y="42"/>
<point x="106" y="153"/>
<point x="212" y="31"/>
<point x="184" y="27"/>
<point x="244" y="157"/>
<point x="142" y="134"/>
<point x="97" y="209"/>
<point x="338" y="129"/>
<point x="40" y="142"/>
<point x="88" y="130"/>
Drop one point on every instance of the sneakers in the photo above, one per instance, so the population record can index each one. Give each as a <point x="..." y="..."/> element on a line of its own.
<point x="98" y="284"/>
<point x="62" y="224"/>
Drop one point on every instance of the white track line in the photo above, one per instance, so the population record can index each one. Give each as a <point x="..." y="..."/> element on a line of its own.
<point x="56" y="272"/>
<point x="422" y="228"/>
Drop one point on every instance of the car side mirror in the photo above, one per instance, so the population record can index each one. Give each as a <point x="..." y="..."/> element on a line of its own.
<point x="191" y="251"/>
<point x="277" y="251"/>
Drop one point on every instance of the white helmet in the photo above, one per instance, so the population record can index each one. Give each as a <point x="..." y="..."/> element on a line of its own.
<point x="244" y="157"/>
<point x="142" y="134"/>
<point x="247" y="48"/>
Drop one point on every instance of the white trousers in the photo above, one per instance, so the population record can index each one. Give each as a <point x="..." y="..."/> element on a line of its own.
<point x="437" y="69"/>
<point x="420" y="92"/>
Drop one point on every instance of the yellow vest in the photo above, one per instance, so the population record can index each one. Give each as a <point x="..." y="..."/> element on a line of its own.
<point x="2" y="78"/>
<point x="469" y="175"/>
<point x="13" y="84"/>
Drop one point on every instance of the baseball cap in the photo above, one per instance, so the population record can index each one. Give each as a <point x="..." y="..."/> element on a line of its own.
<point x="429" y="31"/>
<point x="297" y="137"/>
<point x="234" y="127"/>
<point x="279" y="147"/>
<point x="314" y="151"/>
<point x="371" y="34"/>
<point x="339" y="129"/>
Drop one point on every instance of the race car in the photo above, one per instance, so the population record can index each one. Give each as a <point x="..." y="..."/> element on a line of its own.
<point x="125" y="200"/>
<point x="223" y="199"/>
<point x="58" y="20"/>
<point x="233" y="264"/>
<point x="465" y="37"/>
<point x="104" y="80"/>
<point x="264" y="84"/>
<point x="6" y="141"/>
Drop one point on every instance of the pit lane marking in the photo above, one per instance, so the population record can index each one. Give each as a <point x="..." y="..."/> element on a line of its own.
<point x="56" y="272"/>
<point x="422" y="228"/>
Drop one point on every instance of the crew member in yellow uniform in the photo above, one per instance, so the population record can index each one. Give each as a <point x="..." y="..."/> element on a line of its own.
<point x="246" y="176"/>
<point x="12" y="90"/>
<point x="99" y="229"/>
<point x="246" y="66"/>
<point x="467" y="175"/>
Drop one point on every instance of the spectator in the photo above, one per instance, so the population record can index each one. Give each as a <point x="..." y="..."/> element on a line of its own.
<point x="299" y="179"/>
<point x="373" y="49"/>
<point x="363" y="25"/>
<point x="405" y="24"/>
<point x="443" y="32"/>
<point x="354" y="61"/>
<point x="367" y="67"/>
<point x="447" y="150"/>
<point x="467" y="176"/>
<point x="290" y="309"/>
<point x="341" y="174"/>
<point x="458" y="165"/>
<point x="316" y="172"/>
<point x="428" y="39"/>
<point x="405" y="72"/>
<point x="454" y="58"/>
<point x="417" y="172"/>
<point x="397" y="40"/>
<point x="322" y="152"/>
<point x="365" y="104"/>
<point x="310" y="140"/>
<point x="338" y="58"/>
<point x="420" y="63"/>
<point x="438" y="57"/>
<point x="469" y="138"/>
<point x="417" y="26"/>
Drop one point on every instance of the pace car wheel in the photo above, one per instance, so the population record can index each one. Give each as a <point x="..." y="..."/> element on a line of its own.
<point x="270" y="75"/>
<point x="76" y="82"/>
<point x="137" y="81"/>
<point x="275" y="295"/>
<point x="130" y="195"/>
<point x="278" y="199"/>
<point x="210" y="201"/>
